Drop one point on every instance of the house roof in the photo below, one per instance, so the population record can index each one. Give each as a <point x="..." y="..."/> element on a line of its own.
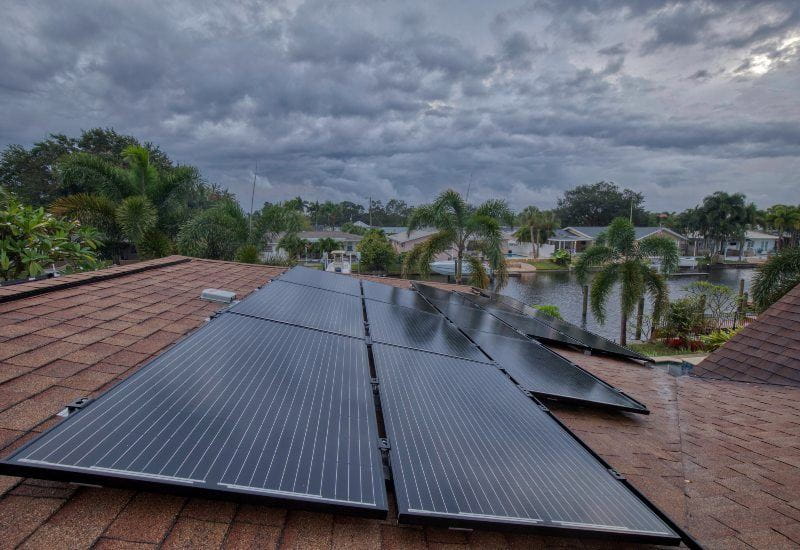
<point x="767" y="350"/>
<point x="592" y="232"/>
<point x="335" y="235"/>
<point x="759" y="235"/>
<point x="722" y="458"/>
<point x="404" y="236"/>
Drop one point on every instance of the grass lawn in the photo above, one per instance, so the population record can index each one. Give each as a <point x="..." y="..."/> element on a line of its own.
<point x="656" y="349"/>
<point x="544" y="265"/>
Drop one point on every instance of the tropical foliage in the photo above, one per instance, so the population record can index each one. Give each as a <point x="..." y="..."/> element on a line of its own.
<point x="216" y="232"/>
<point x="536" y="227"/>
<point x="458" y="224"/>
<point x="550" y="310"/>
<point x="31" y="240"/>
<point x="376" y="252"/>
<point x="621" y="259"/>
<point x="561" y="257"/>
<point x="716" y="339"/>
<point x="784" y="219"/>
<point x="775" y="278"/>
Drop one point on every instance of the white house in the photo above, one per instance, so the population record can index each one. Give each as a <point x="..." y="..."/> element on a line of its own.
<point x="757" y="244"/>
<point x="347" y="242"/>
<point x="577" y="239"/>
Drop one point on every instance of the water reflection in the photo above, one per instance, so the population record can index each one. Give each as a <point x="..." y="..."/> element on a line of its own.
<point x="562" y="289"/>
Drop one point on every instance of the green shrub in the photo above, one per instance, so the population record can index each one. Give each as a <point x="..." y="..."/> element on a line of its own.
<point x="247" y="254"/>
<point x="717" y="338"/>
<point x="376" y="251"/>
<point x="550" y="310"/>
<point x="561" y="257"/>
<point x="32" y="240"/>
<point x="684" y="318"/>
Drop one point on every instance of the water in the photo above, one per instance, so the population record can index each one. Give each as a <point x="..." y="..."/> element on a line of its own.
<point x="562" y="289"/>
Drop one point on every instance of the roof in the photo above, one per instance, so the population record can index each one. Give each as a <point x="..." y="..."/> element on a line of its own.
<point x="722" y="458"/>
<point x="404" y="237"/>
<point x="335" y="235"/>
<point x="760" y="235"/>
<point x="767" y="350"/>
<point x="359" y="223"/>
<point x="592" y="232"/>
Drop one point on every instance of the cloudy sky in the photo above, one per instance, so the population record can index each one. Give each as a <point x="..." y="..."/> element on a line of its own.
<point x="339" y="100"/>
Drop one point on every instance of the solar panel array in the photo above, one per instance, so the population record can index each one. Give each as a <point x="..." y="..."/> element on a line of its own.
<point x="274" y="399"/>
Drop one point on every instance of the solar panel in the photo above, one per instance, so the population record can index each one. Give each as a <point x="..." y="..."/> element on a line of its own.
<point x="533" y="327"/>
<point x="584" y="338"/>
<point x="406" y="327"/>
<point x="322" y="279"/>
<point x="476" y="319"/>
<point x="545" y="373"/>
<point x="397" y="296"/>
<point x="241" y="407"/>
<point x="433" y="293"/>
<point x="306" y="306"/>
<point x="469" y="449"/>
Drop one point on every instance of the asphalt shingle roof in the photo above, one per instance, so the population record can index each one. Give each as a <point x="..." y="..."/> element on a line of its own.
<point x="722" y="458"/>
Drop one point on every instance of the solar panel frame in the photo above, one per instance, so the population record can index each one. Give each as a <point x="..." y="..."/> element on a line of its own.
<point x="305" y="306"/>
<point x="344" y="356"/>
<point x="547" y="374"/>
<point x="451" y="462"/>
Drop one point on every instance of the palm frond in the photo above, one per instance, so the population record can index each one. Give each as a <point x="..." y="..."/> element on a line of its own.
<point x="631" y="285"/>
<point x="497" y="209"/>
<point x="593" y="256"/>
<point x="421" y="216"/>
<point x="602" y="285"/>
<point x="620" y="235"/>
<point x="478" y="276"/>
<point x="136" y="216"/>
<point x="662" y="248"/>
<point x="93" y="210"/>
<point x="423" y="254"/>
<point x="776" y="277"/>
<point x="656" y="286"/>
<point x="82" y="171"/>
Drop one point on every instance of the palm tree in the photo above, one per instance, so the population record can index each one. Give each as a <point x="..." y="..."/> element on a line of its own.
<point x="624" y="260"/>
<point x="775" y="278"/>
<point x="536" y="227"/>
<point x="136" y="203"/>
<point x="326" y="244"/>
<point x="782" y="218"/>
<point x="457" y="225"/>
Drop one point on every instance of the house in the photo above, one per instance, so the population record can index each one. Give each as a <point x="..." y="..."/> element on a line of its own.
<point x="757" y="244"/>
<point x="404" y="242"/>
<point x="361" y="224"/>
<point x="577" y="239"/>
<point x="348" y="242"/>
<point x="718" y="454"/>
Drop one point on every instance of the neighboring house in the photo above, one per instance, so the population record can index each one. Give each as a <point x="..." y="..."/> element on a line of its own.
<point x="348" y="242"/>
<point x="719" y="452"/>
<point x="577" y="239"/>
<point x="756" y="244"/>
<point x="392" y="229"/>
<point x="404" y="242"/>
<point x="361" y="224"/>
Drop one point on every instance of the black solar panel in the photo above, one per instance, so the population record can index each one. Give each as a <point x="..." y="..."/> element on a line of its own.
<point x="433" y="293"/>
<point x="306" y="306"/>
<point x="533" y="327"/>
<point x="545" y="373"/>
<point x="583" y="337"/>
<point x="396" y="296"/>
<point x="406" y="327"/>
<point x="477" y="319"/>
<point x="321" y="279"/>
<point x="242" y="406"/>
<point x="469" y="449"/>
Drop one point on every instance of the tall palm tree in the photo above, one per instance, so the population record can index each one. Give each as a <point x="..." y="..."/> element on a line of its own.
<point x="775" y="278"/>
<point x="457" y="225"/>
<point x="782" y="218"/>
<point x="134" y="203"/>
<point x="624" y="260"/>
<point x="536" y="227"/>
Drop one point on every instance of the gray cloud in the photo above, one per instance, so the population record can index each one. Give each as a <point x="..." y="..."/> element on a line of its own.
<point x="350" y="100"/>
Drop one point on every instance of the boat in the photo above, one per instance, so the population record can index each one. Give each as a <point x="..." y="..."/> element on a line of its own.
<point x="338" y="263"/>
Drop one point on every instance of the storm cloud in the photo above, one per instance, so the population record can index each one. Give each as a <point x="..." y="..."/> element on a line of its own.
<point x="344" y="101"/>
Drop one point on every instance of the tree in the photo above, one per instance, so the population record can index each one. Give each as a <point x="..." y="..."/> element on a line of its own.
<point x="458" y="224"/>
<point x="719" y="300"/>
<point x="724" y="216"/>
<point x="137" y="202"/>
<point x="32" y="240"/>
<point x="536" y="227"/>
<point x="783" y="218"/>
<point x="215" y="233"/>
<point x="598" y="204"/>
<point x="624" y="260"/>
<point x="354" y="229"/>
<point x="274" y="220"/>
<point x="776" y="277"/>
<point x="293" y="245"/>
<point x="326" y="245"/>
<point x="376" y="251"/>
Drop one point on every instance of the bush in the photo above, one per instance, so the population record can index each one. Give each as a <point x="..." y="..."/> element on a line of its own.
<point x="376" y="251"/>
<point x="561" y="257"/>
<point x="31" y="240"/>
<point x="550" y="310"/>
<point x="247" y="254"/>
<point x="717" y="338"/>
<point x="684" y="318"/>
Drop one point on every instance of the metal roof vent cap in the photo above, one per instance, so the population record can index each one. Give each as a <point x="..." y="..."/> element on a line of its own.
<point x="217" y="295"/>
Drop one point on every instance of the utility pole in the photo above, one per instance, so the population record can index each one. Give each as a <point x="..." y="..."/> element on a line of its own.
<point x="252" y="201"/>
<point x="370" y="211"/>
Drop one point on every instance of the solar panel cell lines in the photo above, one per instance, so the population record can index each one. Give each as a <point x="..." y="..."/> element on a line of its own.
<point x="470" y="318"/>
<point x="244" y="406"/>
<point x="541" y="371"/>
<point x="306" y="306"/>
<point x="396" y="296"/>
<point x="321" y="279"/>
<point x="532" y="327"/>
<point x="410" y="328"/>
<point x="469" y="449"/>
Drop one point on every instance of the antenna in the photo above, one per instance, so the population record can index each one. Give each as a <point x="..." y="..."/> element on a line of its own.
<point x="469" y="186"/>
<point x="252" y="200"/>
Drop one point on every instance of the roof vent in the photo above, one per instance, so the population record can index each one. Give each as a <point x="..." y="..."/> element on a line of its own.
<point x="217" y="295"/>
